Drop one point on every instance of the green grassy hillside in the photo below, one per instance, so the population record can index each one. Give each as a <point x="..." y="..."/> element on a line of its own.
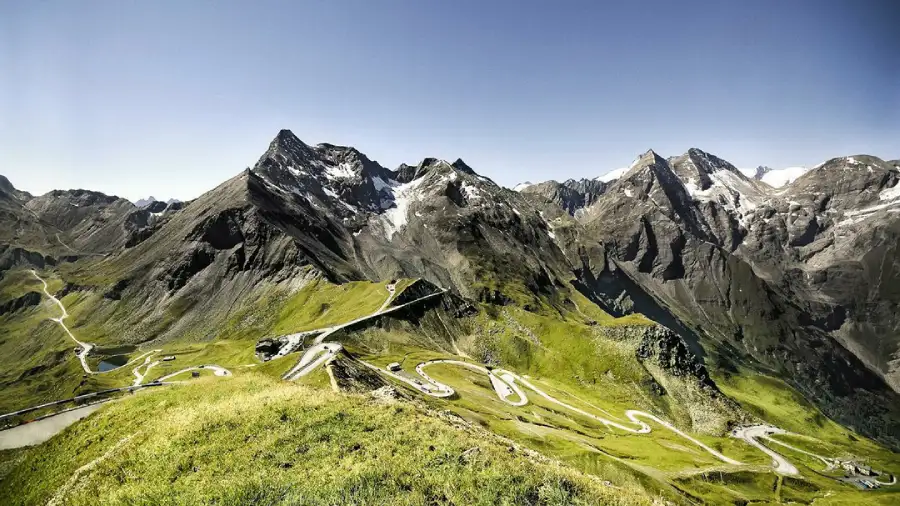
<point x="252" y="439"/>
<point x="37" y="363"/>
<point x="562" y="342"/>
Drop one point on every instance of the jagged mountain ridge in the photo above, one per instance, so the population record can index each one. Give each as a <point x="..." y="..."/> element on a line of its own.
<point x="689" y="240"/>
<point x="426" y="220"/>
<point x="759" y="272"/>
<point x="570" y="195"/>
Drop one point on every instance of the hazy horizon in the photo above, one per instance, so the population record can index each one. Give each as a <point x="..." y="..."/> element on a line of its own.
<point x="170" y="100"/>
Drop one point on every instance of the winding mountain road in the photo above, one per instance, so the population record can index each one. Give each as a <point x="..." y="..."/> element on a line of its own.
<point x="147" y="355"/>
<point x="752" y="435"/>
<point x="217" y="370"/>
<point x="507" y="385"/>
<point x="510" y="388"/>
<point x="85" y="347"/>
<point x="305" y="364"/>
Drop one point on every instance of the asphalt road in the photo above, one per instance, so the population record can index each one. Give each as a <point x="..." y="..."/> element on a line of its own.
<point x="37" y="432"/>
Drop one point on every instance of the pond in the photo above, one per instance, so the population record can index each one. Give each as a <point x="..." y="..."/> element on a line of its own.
<point x="114" y="362"/>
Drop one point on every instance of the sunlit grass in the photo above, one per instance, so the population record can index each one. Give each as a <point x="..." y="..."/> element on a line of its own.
<point x="256" y="440"/>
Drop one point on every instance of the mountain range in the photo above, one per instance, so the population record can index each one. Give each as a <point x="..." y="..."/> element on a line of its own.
<point x="790" y="274"/>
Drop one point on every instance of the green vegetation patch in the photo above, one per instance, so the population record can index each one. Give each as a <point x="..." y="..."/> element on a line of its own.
<point x="322" y="304"/>
<point x="254" y="440"/>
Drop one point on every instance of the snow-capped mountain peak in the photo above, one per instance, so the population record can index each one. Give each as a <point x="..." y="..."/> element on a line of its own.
<point x="521" y="186"/>
<point x="776" y="178"/>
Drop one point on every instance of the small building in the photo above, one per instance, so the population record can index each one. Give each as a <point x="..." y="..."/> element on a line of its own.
<point x="195" y="374"/>
<point x="394" y="366"/>
<point x="169" y="358"/>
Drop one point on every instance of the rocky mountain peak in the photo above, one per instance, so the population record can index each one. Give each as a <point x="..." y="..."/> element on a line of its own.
<point x="461" y="166"/>
<point x="646" y="163"/>
<point x="406" y="173"/>
<point x="289" y="145"/>
<point x="81" y="197"/>
<point x="761" y="171"/>
<point x="571" y="195"/>
<point x="142" y="203"/>
<point x="7" y="188"/>
<point x="5" y="185"/>
<point x="649" y="157"/>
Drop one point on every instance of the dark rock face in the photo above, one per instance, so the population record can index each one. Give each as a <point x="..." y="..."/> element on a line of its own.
<point x="761" y="171"/>
<point x="671" y="353"/>
<point x="156" y="207"/>
<point x="14" y="257"/>
<point x="764" y="276"/>
<point x="418" y="289"/>
<point x="195" y="262"/>
<point x="350" y="375"/>
<point x="115" y="292"/>
<point x="28" y="300"/>
<point x="70" y="288"/>
<point x="268" y="348"/>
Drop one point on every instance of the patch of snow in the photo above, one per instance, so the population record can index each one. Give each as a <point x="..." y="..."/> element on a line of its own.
<point x="328" y="191"/>
<point x="471" y="191"/>
<point x="628" y="192"/>
<point x="890" y="193"/>
<point x="452" y="176"/>
<point x="781" y="177"/>
<point x="516" y="211"/>
<point x="729" y="190"/>
<point x="341" y="171"/>
<point x="295" y="171"/>
<point x="872" y="209"/>
<point x="615" y="173"/>
<point x="693" y="189"/>
<point x="551" y="234"/>
<point x="851" y="160"/>
<point x="395" y="218"/>
<point x="521" y="186"/>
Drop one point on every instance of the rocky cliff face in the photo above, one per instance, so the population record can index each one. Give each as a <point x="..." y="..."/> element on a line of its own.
<point x="19" y="303"/>
<point x="571" y="195"/>
<point x="763" y="276"/>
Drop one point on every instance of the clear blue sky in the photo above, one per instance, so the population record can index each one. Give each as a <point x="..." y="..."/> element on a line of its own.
<point x="172" y="97"/>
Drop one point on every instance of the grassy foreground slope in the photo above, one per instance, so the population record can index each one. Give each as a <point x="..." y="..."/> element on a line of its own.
<point x="254" y="440"/>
